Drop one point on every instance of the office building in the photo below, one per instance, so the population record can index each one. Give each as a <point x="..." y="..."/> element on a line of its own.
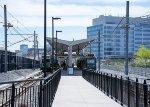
<point x="24" y="49"/>
<point x="112" y="38"/>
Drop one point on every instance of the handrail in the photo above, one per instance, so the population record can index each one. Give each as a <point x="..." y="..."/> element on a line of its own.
<point x="41" y="95"/>
<point x="119" y="76"/>
<point x="123" y="90"/>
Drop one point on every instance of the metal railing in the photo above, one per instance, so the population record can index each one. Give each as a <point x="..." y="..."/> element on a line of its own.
<point x="30" y="93"/>
<point x="126" y="91"/>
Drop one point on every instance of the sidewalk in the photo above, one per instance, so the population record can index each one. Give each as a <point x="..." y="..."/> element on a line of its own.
<point x="74" y="91"/>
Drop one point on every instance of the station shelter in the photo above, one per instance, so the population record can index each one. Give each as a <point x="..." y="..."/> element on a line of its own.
<point x="68" y="51"/>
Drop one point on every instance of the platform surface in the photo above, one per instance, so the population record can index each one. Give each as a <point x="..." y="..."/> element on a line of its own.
<point x="74" y="91"/>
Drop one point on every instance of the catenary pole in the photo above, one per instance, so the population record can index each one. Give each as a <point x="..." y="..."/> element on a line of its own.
<point x="34" y="50"/>
<point x="5" y="28"/>
<point x="127" y="37"/>
<point x="99" y="50"/>
<point x="38" y="48"/>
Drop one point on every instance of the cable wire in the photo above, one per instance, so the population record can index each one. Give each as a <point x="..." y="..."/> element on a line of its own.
<point x="16" y="19"/>
<point x="19" y="33"/>
<point x="118" y="25"/>
<point x="20" y="41"/>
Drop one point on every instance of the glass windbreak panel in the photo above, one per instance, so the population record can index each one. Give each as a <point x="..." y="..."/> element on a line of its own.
<point x="90" y="61"/>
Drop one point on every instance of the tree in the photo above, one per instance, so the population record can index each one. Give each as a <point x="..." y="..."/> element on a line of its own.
<point x="143" y="55"/>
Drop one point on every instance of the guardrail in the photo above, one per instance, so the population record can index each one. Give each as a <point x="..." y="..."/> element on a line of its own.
<point x="30" y="93"/>
<point x="123" y="90"/>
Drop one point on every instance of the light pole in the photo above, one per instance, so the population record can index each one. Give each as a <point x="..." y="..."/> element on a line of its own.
<point x="56" y="44"/>
<point x="53" y="18"/>
<point x="45" y="69"/>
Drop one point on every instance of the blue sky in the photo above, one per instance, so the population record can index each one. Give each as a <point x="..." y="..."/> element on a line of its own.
<point x="76" y="16"/>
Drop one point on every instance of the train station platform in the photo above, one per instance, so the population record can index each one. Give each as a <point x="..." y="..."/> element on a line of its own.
<point x="74" y="91"/>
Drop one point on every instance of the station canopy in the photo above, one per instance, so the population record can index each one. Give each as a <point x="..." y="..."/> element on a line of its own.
<point x="76" y="45"/>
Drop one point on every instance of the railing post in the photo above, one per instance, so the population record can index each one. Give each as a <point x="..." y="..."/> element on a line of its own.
<point x="121" y="90"/>
<point x="51" y="93"/>
<point x="40" y="94"/>
<point x="128" y="80"/>
<point x="104" y="83"/>
<point x="111" y="86"/>
<point x="137" y="93"/>
<point x="93" y="78"/>
<point x="145" y="88"/>
<point x="44" y="94"/>
<point x="101" y="81"/>
<point x="107" y="84"/>
<point x="13" y="95"/>
<point x="115" y="87"/>
<point x="97" y="79"/>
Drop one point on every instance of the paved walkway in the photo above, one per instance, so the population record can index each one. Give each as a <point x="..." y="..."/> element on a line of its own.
<point x="74" y="91"/>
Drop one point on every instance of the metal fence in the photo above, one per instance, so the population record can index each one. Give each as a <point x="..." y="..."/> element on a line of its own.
<point x="16" y="62"/>
<point x="30" y="93"/>
<point x="123" y="90"/>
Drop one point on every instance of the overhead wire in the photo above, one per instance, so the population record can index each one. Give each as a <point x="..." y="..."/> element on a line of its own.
<point x="19" y="41"/>
<point x="25" y="39"/>
<point x="19" y="33"/>
<point x="145" y="13"/>
<point x="15" y="29"/>
<point x="117" y="25"/>
<point x="146" y="20"/>
<point x="16" y="19"/>
<point x="143" y="21"/>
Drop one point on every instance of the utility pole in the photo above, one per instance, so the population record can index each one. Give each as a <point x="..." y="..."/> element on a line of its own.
<point x="38" y="48"/>
<point x="127" y="37"/>
<point x="34" y="50"/>
<point x="5" y="28"/>
<point x="45" y="69"/>
<point x="99" y="50"/>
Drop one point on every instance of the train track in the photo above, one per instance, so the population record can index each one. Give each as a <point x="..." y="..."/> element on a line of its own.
<point x="5" y="98"/>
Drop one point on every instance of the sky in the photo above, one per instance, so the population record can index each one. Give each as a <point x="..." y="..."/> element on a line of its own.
<point x="76" y="15"/>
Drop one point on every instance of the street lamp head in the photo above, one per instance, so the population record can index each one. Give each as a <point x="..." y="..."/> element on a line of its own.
<point x="56" y="18"/>
<point x="58" y="31"/>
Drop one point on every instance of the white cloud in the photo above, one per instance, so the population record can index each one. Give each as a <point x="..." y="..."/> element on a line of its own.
<point x="31" y="13"/>
<point x="72" y="12"/>
<point x="89" y="2"/>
